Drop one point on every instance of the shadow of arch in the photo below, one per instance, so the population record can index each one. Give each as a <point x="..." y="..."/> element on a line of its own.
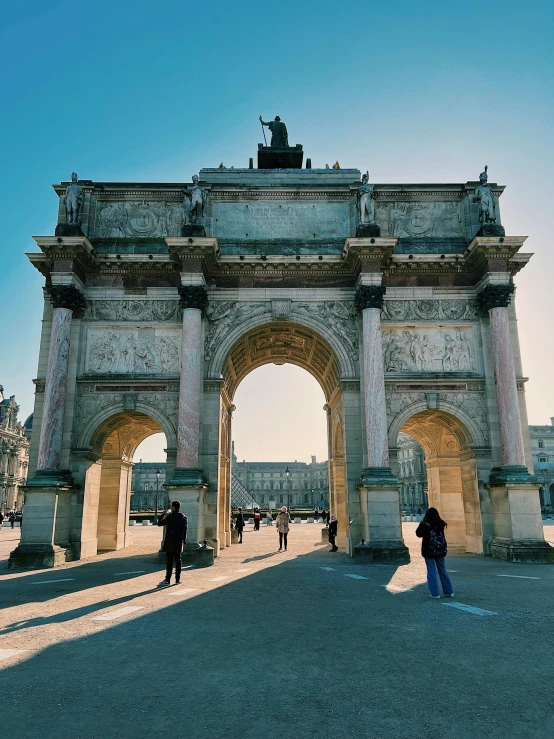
<point x="451" y="474"/>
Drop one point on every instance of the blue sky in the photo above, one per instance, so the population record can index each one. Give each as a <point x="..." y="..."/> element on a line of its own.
<point x="416" y="92"/>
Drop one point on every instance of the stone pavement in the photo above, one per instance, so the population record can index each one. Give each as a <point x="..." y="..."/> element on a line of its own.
<point x="267" y="645"/>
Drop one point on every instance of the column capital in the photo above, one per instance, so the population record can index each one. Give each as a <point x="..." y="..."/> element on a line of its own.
<point x="495" y="296"/>
<point x="68" y="296"/>
<point x="193" y="296"/>
<point x="369" y="296"/>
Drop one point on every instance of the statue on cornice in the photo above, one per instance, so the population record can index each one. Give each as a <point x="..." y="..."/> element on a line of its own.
<point x="485" y="197"/>
<point x="73" y="201"/>
<point x="279" y="134"/>
<point x="365" y="199"/>
<point x="194" y="203"/>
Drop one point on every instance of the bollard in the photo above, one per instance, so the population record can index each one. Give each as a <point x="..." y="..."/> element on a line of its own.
<point x="132" y="522"/>
<point x="204" y="555"/>
<point x="234" y="536"/>
<point x="146" y="522"/>
<point x="325" y="535"/>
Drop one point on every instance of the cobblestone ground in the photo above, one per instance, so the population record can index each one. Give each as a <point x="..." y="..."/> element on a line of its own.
<point x="268" y="645"/>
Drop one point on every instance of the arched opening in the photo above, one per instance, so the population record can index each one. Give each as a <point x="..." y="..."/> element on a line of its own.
<point x="452" y="484"/>
<point x="108" y="482"/>
<point x="278" y="343"/>
<point x="149" y="473"/>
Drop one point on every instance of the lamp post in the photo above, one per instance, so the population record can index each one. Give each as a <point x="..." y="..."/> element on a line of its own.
<point x="313" y="499"/>
<point x="158" y="473"/>
<point x="252" y="497"/>
<point x="544" y="468"/>
<point x="287" y="473"/>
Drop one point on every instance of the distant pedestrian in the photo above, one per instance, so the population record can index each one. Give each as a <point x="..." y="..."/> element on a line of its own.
<point x="270" y="517"/>
<point x="333" y="529"/>
<point x="282" y="521"/>
<point x="434" y="550"/>
<point x="12" y="518"/>
<point x="1" y="519"/>
<point x="174" y="540"/>
<point x="316" y="515"/>
<point x="257" y="519"/>
<point x="239" y="524"/>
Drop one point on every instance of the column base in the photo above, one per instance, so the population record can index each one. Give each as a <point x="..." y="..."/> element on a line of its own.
<point x="39" y="556"/>
<point x="393" y="551"/>
<point x="526" y="551"/>
<point x="188" y="477"/>
<point x="50" y="479"/>
<point x="377" y="476"/>
<point x="325" y="535"/>
<point x="511" y="474"/>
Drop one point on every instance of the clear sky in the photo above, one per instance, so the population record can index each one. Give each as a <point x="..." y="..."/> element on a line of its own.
<point x="413" y="91"/>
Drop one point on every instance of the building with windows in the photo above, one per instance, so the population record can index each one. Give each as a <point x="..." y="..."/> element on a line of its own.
<point x="412" y="474"/>
<point x="144" y="484"/>
<point x="14" y="454"/>
<point x="307" y="485"/>
<point x="542" y="451"/>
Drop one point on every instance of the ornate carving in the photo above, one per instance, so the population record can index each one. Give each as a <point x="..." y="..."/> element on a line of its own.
<point x="365" y="201"/>
<point x="142" y="351"/>
<point x="193" y="296"/>
<point x="369" y="296"/>
<point x="223" y="315"/>
<point x="473" y="404"/>
<point x="396" y="403"/>
<point x="338" y="316"/>
<point x="429" y="310"/>
<point x="194" y="204"/>
<point x="437" y="350"/>
<point x="485" y="197"/>
<point x="132" y="310"/>
<point x="495" y="296"/>
<point x="146" y="220"/>
<point x="281" y="308"/>
<point x="67" y="296"/>
<point x="413" y="220"/>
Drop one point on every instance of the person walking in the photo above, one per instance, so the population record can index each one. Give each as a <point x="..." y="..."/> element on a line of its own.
<point x="282" y="521"/>
<point x="12" y="518"/>
<point x="434" y="549"/>
<point x="174" y="540"/>
<point x="239" y="524"/>
<point x="333" y="529"/>
<point x="257" y="519"/>
<point x="1" y="519"/>
<point x="316" y="515"/>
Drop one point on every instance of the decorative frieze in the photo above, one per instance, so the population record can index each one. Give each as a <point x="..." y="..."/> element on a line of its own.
<point x="429" y="310"/>
<point x="132" y="351"/>
<point x="132" y="310"/>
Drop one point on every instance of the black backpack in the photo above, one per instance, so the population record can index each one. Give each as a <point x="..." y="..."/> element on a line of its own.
<point x="437" y="544"/>
<point x="177" y="529"/>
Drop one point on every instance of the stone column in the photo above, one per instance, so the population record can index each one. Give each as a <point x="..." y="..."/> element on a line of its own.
<point x="39" y="546"/>
<point x="379" y="493"/>
<point x="518" y="530"/>
<point x="188" y="483"/>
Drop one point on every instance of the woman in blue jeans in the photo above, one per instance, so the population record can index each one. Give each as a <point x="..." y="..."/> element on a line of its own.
<point x="433" y="550"/>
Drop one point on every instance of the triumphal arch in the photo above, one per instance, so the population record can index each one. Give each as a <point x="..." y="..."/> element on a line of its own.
<point x="160" y="298"/>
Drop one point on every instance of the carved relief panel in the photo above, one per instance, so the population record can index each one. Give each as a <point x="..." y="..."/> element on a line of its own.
<point x="445" y="349"/>
<point x="420" y="219"/>
<point x="128" y="219"/>
<point x="124" y="350"/>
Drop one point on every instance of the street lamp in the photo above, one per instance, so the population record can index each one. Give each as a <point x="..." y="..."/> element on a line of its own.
<point x="544" y="467"/>
<point x="313" y="499"/>
<point x="287" y="473"/>
<point x="252" y="496"/>
<point x="158" y="473"/>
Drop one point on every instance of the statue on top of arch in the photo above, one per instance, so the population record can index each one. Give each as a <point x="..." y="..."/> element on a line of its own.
<point x="194" y="205"/>
<point x="484" y="196"/>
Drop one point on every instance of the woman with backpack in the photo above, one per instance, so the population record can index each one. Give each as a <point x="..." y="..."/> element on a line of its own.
<point x="433" y="550"/>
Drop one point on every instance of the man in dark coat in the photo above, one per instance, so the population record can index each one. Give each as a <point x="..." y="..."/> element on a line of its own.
<point x="174" y="540"/>
<point x="239" y="524"/>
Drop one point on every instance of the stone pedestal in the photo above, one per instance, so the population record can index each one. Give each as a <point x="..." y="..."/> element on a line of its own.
<point x="363" y="553"/>
<point x="367" y="230"/>
<point x="273" y="157"/>
<point x="234" y="536"/>
<point x="193" y="230"/>
<point x="325" y="535"/>
<point x="380" y="508"/>
<point x="189" y="488"/>
<point x="68" y="229"/>
<point x="43" y="506"/>
<point x="491" y="229"/>
<point x="204" y="555"/>
<point x="519" y="535"/>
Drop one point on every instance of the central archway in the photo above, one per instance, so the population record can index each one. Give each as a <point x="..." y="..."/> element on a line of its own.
<point x="281" y="342"/>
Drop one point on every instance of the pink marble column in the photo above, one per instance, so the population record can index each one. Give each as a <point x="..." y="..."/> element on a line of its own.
<point x="374" y="390"/>
<point x="189" y="393"/>
<point x="51" y="430"/>
<point x="511" y="439"/>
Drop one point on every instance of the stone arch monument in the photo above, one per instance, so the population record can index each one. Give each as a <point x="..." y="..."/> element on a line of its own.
<point x="404" y="314"/>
